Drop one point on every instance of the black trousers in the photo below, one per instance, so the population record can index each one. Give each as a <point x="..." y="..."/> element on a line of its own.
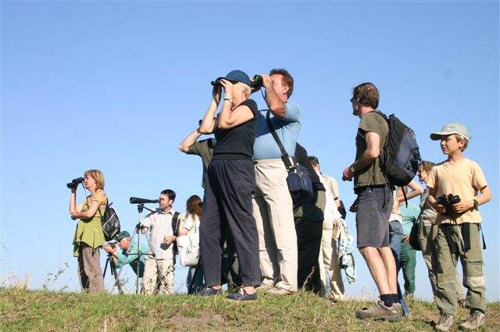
<point x="229" y="199"/>
<point x="309" y="229"/>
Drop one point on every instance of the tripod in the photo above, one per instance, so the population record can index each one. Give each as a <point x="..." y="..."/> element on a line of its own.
<point x="114" y="273"/>
<point x="140" y="208"/>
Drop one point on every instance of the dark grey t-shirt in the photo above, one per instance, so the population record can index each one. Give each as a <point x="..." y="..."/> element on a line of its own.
<point x="371" y="175"/>
<point x="204" y="149"/>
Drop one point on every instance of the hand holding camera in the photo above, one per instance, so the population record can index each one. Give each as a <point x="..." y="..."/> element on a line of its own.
<point x="110" y="247"/>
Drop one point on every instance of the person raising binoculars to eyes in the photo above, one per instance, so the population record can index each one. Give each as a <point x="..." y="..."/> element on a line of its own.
<point x="89" y="237"/>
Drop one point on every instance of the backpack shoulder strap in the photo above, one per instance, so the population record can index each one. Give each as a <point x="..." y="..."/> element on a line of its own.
<point x="175" y="224"/>
<point x="382" y="114"/>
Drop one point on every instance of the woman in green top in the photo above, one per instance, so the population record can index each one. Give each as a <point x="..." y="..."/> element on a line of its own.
<point x="89" y="237"/>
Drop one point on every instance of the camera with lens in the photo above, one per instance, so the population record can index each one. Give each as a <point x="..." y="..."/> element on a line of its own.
<point x="111" y="243"/>
<point x="75" y="182"/>
<point x="447" y="201"/>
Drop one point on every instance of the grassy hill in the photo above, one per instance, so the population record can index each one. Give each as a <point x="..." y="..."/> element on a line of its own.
<point x="51" y="311"/>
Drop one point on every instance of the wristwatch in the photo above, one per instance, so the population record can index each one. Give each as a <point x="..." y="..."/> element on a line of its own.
<point x="476" y="203"/>
<point x="352" y="169"/>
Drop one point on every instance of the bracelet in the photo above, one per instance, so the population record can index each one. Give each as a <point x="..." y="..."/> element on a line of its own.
<point x="229" y="99"/>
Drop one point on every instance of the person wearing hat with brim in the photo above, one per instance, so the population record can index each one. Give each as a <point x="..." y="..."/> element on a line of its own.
<point x="232" y="182"/>
<point x="128" y="253"/>
<point x="458" y="227"/>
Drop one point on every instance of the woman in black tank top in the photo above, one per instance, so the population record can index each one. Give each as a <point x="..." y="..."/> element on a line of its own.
<point x="232" y="181"/>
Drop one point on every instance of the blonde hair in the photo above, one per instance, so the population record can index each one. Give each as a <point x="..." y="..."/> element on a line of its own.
<point x="245" y="88"/>
<point x="97" y="176"/>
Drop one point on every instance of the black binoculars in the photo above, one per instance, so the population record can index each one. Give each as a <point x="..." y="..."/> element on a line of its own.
<point x="74" y="183"/>
<point x="257" y="82"/>
<point x="448" y="201"/>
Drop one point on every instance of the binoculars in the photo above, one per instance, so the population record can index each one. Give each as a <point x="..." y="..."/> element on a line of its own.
<point x="257" y="82"/>
<point x="448" y="201"/>
<point x="74" y="183"/>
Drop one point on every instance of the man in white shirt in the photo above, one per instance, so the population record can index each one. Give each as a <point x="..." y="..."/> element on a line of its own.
<point x="328" y="255"/>
<point x="159" y="269"/>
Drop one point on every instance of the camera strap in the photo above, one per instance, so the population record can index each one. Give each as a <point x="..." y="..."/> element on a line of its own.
<point x="284" y="155"/>
<point x="465" y="229"/>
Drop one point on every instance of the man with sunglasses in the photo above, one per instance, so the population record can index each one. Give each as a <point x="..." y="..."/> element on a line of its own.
<point x="374" y="203"/>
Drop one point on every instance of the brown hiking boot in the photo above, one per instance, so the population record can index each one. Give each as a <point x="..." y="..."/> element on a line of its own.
<point x="380" y="312"/>
<point x="476" y="320"/>
<point x="444" y="323"/>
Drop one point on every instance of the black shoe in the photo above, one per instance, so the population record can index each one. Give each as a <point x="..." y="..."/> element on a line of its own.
<point x="242" y="296"/>
<point x="209" y="291"/>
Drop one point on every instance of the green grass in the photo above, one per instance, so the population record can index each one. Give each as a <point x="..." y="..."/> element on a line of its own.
<point x="52" y="311"/>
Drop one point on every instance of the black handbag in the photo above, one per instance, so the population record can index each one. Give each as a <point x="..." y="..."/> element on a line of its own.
<point x="415" y="230"/>
<point x="298" y="180"/>
<point x="414" y="241"/>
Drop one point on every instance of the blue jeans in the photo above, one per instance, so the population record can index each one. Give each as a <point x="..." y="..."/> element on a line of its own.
<point x="395" y="238"/>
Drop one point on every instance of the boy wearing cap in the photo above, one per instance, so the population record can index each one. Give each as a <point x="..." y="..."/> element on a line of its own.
<point x="458" y="227"/>
<point x="128" y="253"/>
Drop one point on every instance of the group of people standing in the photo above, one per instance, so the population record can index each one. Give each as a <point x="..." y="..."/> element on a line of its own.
<point x="248" y="210"/>
<point x="450" y="223"/>
<point x="277" y="244"/>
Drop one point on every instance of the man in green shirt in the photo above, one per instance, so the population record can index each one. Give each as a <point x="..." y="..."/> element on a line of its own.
<point x="373" y="204"/>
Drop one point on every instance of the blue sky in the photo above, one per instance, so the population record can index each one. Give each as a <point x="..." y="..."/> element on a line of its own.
<point x="117" y="85"/>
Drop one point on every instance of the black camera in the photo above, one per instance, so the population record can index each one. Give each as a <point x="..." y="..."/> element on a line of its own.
<point x="257" y="82"/>
<point x="111" y="243"/>
<point x="447" y="201"/>
<point x="74" y="183"/>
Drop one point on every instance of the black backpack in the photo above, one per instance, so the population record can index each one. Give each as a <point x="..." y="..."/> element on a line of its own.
<point x="110" y="222"/>
<point x="400" y="157"/>
<point x="175" y="229"/>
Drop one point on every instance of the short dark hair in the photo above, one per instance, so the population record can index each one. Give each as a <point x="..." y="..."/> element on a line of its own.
<point x="287" y="78"/>
<point x="366" y="94"/>
<point x="170" y="193"/>
<point x="313" y="160"/>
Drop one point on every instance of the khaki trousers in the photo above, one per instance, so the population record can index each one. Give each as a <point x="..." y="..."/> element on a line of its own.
<point x="89" y="268"/>
<point x="450" y="248"/>
<point x="158" y="280"/>
<point x="329" y="261"/>
<point x="427" y="238"/>
<point x="273" y="213"/>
